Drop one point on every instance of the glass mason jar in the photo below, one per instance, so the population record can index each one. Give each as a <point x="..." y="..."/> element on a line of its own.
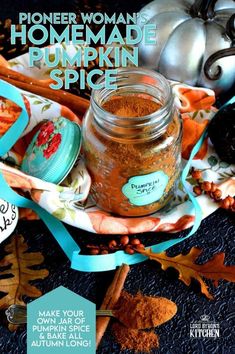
<point x="134" y="162"/>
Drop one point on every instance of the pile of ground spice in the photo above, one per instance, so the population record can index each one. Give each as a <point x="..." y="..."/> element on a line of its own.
<point x="139" y="341"/>
<point x="130" y="106"/>
<point x="140" y="312"/>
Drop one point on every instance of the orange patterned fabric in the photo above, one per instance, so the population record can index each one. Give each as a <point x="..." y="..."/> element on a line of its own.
<point x="9" y="112"/>
<point x="191" y="100"/>
<point x="194" y="99"/>
<point x="107" y="224"/>
<point x="192" y="131"/>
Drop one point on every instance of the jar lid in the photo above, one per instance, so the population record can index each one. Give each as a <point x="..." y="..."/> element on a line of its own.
<point x="53" y="150"/>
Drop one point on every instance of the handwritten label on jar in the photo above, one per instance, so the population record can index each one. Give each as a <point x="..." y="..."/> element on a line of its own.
<point x="146" y="189"/>
<point x="8" y="219"/>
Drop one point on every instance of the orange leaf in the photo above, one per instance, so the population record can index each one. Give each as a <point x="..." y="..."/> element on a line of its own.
<point x="214" y="269"/>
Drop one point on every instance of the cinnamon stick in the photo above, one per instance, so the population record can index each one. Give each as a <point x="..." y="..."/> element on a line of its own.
<point x="15" y="75"/>
<point x="112" y="295"/>
<point x="77" y="104"/>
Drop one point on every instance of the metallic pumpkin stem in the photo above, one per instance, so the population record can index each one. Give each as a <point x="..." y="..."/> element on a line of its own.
<point x="203" y="9"/>
<point x="212" y="59"/>
<point x="230" y="30"/>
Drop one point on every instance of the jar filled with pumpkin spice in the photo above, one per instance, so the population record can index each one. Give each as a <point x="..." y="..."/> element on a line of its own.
<point x="132" y="143"/>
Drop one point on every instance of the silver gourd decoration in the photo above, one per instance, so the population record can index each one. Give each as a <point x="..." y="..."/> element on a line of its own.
<point x="195" y="41"/>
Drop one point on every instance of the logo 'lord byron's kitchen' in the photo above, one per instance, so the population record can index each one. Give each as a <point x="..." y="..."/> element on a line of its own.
<point x="204" y="328"/>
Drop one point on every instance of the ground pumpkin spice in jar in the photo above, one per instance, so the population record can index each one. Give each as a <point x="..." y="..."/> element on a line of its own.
<point x="132" y="143"/>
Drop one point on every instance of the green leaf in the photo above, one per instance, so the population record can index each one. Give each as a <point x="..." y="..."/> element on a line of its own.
<point x="14" y="62"/>
<point x="67" y="182"/>
<point x="192" y="181"/>
<point x="37" y="102"/>
<point x="212" y="160"/>
<point x="30" y="95"/>
<point x="10" y="160"/>
<point x="195" y="114"/>
<point x="59" y="188"/>
<point x="226" y="175"/>
<point x="48" y="71"/>
<point x="37" y="64"/>
<point x="46" y="107"/>
<point x="127" y="47"/>
<point x="59" y="213"/>
<point x="224" y="164"/>
<point x="72" y="214"/>
<point x="180" y="186"/>
<point x="51" y="57"/>
<point x="74" y="184"/>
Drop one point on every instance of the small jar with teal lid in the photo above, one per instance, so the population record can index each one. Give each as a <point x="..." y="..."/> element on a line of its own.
<point x="53" y="151"/>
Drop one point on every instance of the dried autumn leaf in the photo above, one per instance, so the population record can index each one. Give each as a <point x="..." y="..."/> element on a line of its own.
<point x="214" y="269"/>
<point x="16" y="279"/>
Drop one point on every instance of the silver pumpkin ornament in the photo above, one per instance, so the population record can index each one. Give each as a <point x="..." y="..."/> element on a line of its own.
<point x="195" y="41"/>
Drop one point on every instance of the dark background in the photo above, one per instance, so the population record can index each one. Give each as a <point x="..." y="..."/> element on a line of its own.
<point x="216" y="234"/>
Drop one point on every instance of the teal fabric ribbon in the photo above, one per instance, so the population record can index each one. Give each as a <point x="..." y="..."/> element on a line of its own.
<point x="231" y="101"/>
<point x="65" y="240"/>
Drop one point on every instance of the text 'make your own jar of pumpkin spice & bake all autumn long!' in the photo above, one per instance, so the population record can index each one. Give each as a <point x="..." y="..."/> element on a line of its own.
<point x="132" y="143"/>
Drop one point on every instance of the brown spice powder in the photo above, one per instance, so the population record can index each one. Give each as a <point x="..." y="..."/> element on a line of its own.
<point x="130" y="106"/>
<point x="140" y="312"/>
<point x="139" y="341"/>
<point x="137" y="313"/>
